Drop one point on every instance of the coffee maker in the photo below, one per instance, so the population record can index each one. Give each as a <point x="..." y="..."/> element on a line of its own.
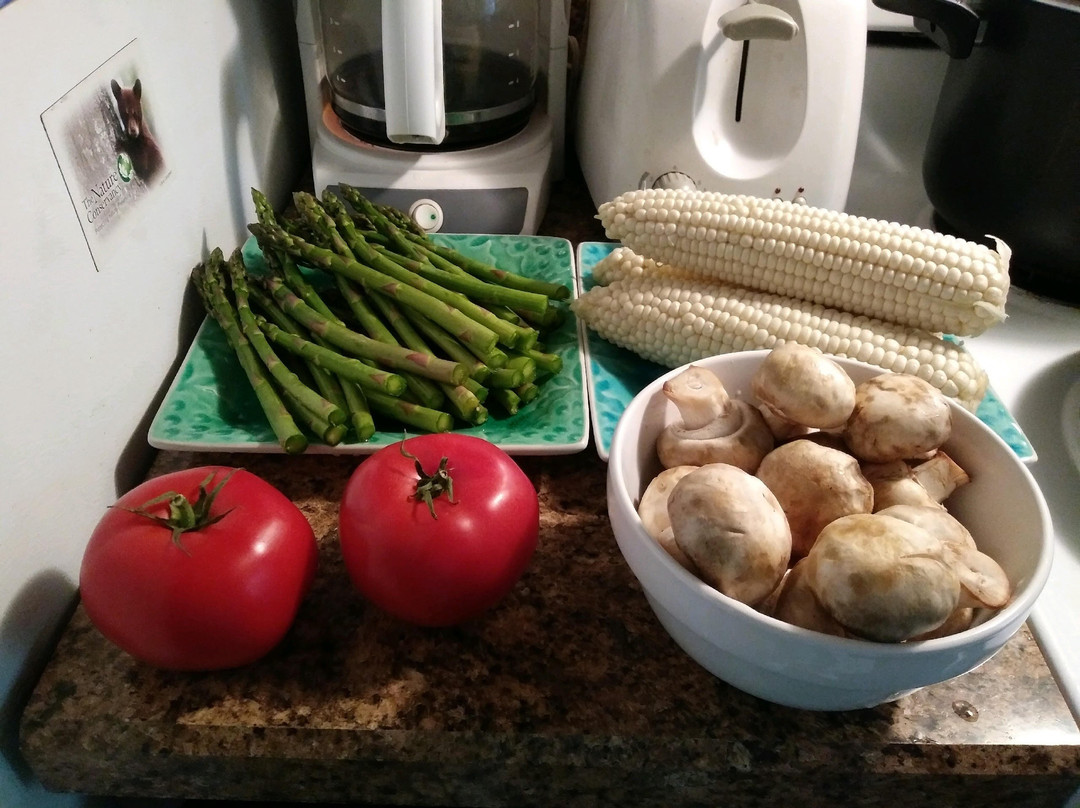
<point x="453" y="112"/>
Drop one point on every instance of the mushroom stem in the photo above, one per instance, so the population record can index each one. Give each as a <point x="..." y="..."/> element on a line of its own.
<point x="701" y="399"/>
<point x="931" y="482"/>
<point x="940" y="476"/>
<point x="712" y="427"/>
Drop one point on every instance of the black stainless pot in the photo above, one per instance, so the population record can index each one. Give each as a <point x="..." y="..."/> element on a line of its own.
<point x="1003" y="155"/>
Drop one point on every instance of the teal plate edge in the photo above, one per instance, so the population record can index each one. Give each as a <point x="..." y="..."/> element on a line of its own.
<point x="210" y="407"/>
<point x="615" y="375"/>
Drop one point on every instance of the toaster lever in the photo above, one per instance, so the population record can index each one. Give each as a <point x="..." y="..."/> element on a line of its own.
<point x="756" y="20"/>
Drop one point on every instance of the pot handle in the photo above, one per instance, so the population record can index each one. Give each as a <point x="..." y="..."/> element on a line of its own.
<point x="949" y="23"/>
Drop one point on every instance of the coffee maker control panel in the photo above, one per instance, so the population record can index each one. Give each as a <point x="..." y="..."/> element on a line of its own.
<point x="457" y="210"/>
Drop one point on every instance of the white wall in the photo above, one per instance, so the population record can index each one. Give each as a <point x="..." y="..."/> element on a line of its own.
<point x="85" y="354"/>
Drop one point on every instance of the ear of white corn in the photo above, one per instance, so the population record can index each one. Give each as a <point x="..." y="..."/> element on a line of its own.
<point x="896" y="273"/>
<point x="671" y="316"/>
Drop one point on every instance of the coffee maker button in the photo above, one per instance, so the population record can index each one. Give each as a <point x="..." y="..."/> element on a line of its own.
<point x="427" y="214"/>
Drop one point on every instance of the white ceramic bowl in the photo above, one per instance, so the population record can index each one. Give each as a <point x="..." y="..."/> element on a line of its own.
<point x="1001" y="506"/>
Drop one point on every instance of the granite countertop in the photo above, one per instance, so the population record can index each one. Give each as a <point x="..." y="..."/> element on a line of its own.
<point x="568" y="693"/>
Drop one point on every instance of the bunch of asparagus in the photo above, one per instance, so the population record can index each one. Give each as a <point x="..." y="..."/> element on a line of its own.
<point x="384" y="324"/>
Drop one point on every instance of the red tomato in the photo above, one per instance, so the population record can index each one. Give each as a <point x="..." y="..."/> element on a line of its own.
<point x="447" y="564"/>
<point x="212" y="597"/>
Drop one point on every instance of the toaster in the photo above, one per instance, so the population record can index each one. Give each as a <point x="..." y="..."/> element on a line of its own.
<point x="758" y="98"/>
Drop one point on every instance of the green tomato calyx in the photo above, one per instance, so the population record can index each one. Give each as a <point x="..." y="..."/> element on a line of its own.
<point x="431" y="486"/>
<point x="185" y="515"/>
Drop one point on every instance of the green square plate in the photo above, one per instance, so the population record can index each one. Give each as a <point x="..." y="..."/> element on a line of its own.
<point x="210" y="405"/>
<point x="615" y="375"/>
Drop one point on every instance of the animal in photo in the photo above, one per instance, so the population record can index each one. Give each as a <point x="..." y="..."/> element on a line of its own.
<point x="135" y="137"/>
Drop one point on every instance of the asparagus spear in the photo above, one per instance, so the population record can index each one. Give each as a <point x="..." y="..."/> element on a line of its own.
<point x="288" y="380"/>
<point x="508" y="399"/>
<point x="354" y="370"/>
<point x="384" y="221"/>
<point x="451" y="318"/>
<point x="330" y="434"/>
<point x="359" y="411"/>
<point x="449" y="346"/>
<point x="464" y="402"/>
<point x="528" y="392"/>
<point x="411" y="414"/>
<point x="288" y="270"/>
<point x="400" y="232"/>
<point x="487" y="293"/>
<point x="478" y="389"/>
<point x="288" y="434"/>
<point x="394" y="356"/>
<point x="507" y="333"/>
<point x="506" y="378"/>
<point x="342" y="392"/>
<point x="327" y="383"/>
<point x="424" y="390"/>
<point x="555" y="291"/>
<point x="548" y="362"/>
<point x="526" y="365"/>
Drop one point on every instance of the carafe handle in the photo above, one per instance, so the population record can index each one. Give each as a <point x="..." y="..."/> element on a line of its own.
<point x="754" y="20"/>
<point x="413" y="71"/>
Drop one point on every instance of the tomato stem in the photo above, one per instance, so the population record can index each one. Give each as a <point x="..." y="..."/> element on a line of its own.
<point x="430" y="486"/>
<point x="185" y="515"/>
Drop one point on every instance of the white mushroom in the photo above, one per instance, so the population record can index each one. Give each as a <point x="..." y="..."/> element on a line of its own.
<point x="797" y="604"/>
<point x="712" y="426"/>
<point x="897" y="417"/>
<point x="733" y="529"/>
<point x="961" y="619"/>
<point x="882" y="578"/>
<point x="800" y="388"/>
<point x="933" y="519"/>
<point x="653" y="510"/>
<point x="814" y="484"/>
<point x="983" y="582"/>
<point x="666" y="539"/>
<point x="928" y="483"/>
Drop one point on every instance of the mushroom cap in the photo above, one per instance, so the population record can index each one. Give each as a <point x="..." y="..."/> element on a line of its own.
<point x="797" y="604"/>
<point x="652" y="508"/>
<point x="983" y="583"/>
<point x="733" y="529"/>
<point x="897" y="417"/>
<point x="801" y="384"/>
<point x="666" y="539"/>
<point x="742" y="439"/>
<point x="814" y="484"/>
<point x="933" y="519"/>
<point x="884" y="579"/>
<point x="960" y="620"/>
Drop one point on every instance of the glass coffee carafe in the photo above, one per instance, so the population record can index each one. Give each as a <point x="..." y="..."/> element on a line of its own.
<point x="427" y="75"/>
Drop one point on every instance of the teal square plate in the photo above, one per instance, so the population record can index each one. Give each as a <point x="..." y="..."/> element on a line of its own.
<point x="615" y="375"/>
<point x="210" y="405"/>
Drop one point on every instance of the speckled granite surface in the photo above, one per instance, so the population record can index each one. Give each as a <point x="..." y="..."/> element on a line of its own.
<point x="568" y="694"/>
